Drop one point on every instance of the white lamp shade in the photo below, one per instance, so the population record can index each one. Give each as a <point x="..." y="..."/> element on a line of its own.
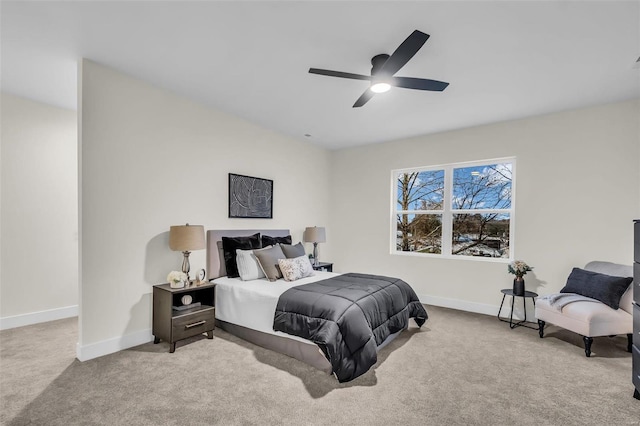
<point x="314" y="234"/>
<point x="186" y="237"/>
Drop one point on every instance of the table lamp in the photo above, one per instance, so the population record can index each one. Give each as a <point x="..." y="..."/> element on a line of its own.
<point x="314" y="235"/>
<point x="186" y="238"/>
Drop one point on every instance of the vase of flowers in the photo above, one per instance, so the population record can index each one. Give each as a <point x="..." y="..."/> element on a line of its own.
<point x="177" y="279"/>
<point x="518" y="268"/>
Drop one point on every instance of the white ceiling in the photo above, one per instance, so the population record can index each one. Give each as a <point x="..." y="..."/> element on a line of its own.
<point x="503" y="59"/>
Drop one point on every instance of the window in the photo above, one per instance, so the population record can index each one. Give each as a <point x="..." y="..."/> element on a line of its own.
<point x="456" y="210"/>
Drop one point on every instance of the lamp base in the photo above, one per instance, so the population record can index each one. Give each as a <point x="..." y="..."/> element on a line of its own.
<point x="315" y="254"/>
<point x="186" y="267"/>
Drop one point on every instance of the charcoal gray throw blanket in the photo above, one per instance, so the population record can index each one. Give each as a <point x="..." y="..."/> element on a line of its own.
<point x="348" y="316"/>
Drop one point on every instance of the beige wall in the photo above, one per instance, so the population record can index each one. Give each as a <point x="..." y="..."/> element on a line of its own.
<point x="151" y="159"/>
<point x="39" y="261"/>
<point x="577" y="193"/>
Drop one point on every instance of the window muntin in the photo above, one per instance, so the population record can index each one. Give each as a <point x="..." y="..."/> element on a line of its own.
<point x="456" y="210"/>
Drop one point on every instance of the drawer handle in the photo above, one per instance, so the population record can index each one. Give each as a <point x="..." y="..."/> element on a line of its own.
<point x="195" y="324"/>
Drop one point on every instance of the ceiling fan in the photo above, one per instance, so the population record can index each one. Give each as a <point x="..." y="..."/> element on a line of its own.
<point x="385" y="66"/>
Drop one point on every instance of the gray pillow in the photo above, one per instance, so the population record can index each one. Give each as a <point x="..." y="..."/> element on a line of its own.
<point x="293" y="251"/>
<point x="268" y="259"/>
<point x="605" y="288"/>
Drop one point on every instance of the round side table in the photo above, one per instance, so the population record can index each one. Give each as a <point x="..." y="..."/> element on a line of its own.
<point x="509" y="292"/>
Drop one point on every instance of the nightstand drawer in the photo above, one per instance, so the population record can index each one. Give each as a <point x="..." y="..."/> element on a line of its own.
<point x="193" y="324"/>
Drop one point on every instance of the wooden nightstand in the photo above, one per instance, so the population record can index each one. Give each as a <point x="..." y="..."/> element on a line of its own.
<point x="171" y="325"/>
<point x="323" y="266"/>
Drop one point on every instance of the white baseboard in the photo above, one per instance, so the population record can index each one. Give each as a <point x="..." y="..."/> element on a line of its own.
<point x="38" y="317"/>
<point x="106" y="347"/>
<point x="480" y="308"/>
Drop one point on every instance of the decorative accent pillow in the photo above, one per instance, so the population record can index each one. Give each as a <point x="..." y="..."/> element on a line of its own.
<point x="293" y="251"/>
<point x="272" y="241"/>
<point x="296" y="268"/>
<point x="229" y="247"/>
<point x="248" y="266"/>
<point x="268" y="259"/>
<point x="605" y="288"/>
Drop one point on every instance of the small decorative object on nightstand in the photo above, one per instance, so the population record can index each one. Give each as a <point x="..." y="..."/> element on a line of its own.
<point x="323" y="266"/>
<point x="200" y="278"/>
<point x="177" y="279"/>
<point x="182" y="313"/>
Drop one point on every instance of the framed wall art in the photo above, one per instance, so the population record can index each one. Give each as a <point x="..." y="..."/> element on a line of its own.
<point x="250" y="197"/>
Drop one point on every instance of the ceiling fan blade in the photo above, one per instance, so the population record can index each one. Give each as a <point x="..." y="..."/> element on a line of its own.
<point x="339" y="74"/>
<point x="364" y="98"/>
<point x="419" y="83"/>
<point x="404" y="52"/>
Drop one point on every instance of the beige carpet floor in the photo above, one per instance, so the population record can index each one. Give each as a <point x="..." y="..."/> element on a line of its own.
<point x="459" y="369"/>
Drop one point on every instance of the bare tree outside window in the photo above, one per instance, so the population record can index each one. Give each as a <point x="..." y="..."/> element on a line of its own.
<point x="473" y="217"/>
<point x="483" y="188"/>
<point x="420" y="191"/>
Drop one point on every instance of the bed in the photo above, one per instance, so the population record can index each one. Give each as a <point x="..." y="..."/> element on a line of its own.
<point x="247" y="308"/>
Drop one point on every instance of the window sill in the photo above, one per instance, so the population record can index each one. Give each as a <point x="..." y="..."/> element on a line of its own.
<point x="452" y="257"/>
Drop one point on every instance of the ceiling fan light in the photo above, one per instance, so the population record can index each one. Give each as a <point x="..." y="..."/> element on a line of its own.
<point x="380" y="87"/>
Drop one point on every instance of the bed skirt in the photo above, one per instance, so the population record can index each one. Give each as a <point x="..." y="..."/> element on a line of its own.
<point x="309" y="353"/>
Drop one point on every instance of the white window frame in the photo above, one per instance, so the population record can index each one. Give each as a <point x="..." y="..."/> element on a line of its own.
<point x="447" y="212"/>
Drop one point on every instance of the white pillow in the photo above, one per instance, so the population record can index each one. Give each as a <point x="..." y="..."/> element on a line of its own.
<point x="248" y="266"/>
<point x="296" y="268"/>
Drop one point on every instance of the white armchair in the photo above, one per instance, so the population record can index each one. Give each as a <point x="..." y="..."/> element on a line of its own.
<point x="592" y="319"/>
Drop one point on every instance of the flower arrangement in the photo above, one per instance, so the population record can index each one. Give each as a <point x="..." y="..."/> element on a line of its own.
<point x="176" y="279"/>
<point x="519" y="268"/>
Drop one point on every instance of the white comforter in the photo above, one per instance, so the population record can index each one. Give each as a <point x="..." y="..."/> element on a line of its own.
<point x="252" y="304"/>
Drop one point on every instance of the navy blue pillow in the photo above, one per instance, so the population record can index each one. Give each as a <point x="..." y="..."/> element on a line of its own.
<point x="605" y="288"/>
<point x="229" y="247"/>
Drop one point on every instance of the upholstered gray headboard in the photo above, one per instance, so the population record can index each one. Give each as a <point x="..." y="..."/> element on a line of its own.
<point x="215" y="255"/>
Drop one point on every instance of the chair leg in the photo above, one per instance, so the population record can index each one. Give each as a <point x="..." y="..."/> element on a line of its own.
<point x="636" y="394"/>
<point x="541" y="328"/>
<point x="587" y="345"/>
<point x="629" y="342"/>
